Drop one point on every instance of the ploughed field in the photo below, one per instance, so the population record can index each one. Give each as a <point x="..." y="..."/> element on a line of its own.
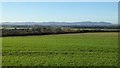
<point x="81" y="49"/>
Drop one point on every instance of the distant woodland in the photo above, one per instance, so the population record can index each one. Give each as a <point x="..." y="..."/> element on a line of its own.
<point x="46" y="30"/>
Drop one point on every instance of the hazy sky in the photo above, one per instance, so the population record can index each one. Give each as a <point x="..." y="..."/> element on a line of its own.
<point x="60" y="0"/>
<point x="60" y="11"/>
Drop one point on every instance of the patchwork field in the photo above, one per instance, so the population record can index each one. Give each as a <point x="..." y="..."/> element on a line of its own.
<point x="82" y="49"/>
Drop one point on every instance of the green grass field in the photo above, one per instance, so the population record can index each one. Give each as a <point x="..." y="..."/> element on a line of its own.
<point x="82" y="49"/>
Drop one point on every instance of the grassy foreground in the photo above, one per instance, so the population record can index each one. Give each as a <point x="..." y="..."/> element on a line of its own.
<point x="85" y="49"/>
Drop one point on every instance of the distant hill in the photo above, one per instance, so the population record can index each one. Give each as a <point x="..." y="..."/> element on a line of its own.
<point x="88" y="23"/>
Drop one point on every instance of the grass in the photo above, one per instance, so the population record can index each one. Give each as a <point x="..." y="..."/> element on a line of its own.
<point x="85" y="49"/>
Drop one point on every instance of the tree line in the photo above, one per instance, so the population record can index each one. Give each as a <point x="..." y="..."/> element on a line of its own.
<point x="50" y="30"/>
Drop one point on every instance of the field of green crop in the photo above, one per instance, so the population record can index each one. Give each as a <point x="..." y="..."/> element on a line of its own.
<point x="82" y="49"/>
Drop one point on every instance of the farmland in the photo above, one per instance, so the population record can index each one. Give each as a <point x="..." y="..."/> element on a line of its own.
<point x="80" y="49"/>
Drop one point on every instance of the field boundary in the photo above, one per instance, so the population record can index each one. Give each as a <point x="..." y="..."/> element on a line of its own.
<point x="58" y="33"/>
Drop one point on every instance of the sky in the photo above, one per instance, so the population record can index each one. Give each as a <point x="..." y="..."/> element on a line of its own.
<point x="60" y="0"/>
<point x="60" y="11"/>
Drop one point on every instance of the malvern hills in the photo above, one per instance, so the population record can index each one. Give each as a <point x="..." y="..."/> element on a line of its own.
<point x="87" y="23"/>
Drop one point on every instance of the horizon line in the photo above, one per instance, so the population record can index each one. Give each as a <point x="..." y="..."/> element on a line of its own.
<point x="56" y="21"/>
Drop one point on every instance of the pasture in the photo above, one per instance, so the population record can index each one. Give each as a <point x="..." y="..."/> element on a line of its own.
<point x="80" y="49"/>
